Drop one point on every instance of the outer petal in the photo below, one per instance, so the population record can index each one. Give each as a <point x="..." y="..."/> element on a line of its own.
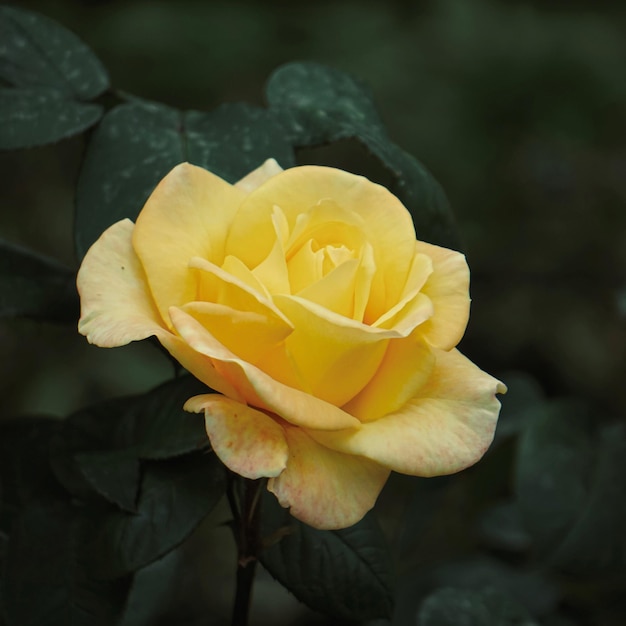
<point x="256" y="387"/>
<point x="187" y="215"/>
<point x="323" y="488"/>
<point x="405" y="369"/>
<point x="258" y="176"/>
<point x="247" y="441"/>
<point x="447" y="427"/>
<point x="448" y="289"/>
<point x="116" y="304"/>
<point x="117" y="307"/>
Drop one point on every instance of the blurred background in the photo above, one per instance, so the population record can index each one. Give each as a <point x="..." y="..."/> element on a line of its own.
<point x="518" y="109"/>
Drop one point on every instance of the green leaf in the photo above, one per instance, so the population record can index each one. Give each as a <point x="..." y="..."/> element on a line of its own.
<point x="51" y="72"/>
<point x="234" y="139"/>
<point x="344" y="573"/>
<point x="137" y="144"/>
<point x="162" y="429"/>
<point x="596" y="543"/>
<point x="99" y="447"/>
<point x="114" y="475"/>
<point x="35" y="286"/>
<point x="98" y="428"/>
<point x="459" y="607"/>
<point x="33" y="117"/>
<point x="37" y="52"/>
<point x="46" y="581"/>
<point x="318" y="105"/>
<point x="554" y="464"/>
<point x="531" y="589"/>
<point x="175" y="497"/>
<point x="151" y="588"/>
<point x="571" y="489"/>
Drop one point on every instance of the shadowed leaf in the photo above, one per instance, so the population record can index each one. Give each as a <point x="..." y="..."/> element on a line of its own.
<point x="175" y="496"/>
<point x="344" y="573"/>
<point x="571" y="489"/>
<point x="35" y="286"/>
<point x="46" y="581"/>
<point x="461" y="607"/>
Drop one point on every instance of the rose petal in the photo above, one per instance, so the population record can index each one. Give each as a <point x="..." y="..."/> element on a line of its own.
<point x="335" y="291"/>
<point x="325" y="223"/>
<point x="200" y="365"/>
<point x="406" y="367"/>
<point x="305" y="267"/>
<point x="248" y="334"/>
<point x="188" y="214"/>
<point x="247" y="441"/>
<point x="448" y="289"/>
<point x="363" y="283"/>
<point x="335" y="356"/>
<point x="447" y="427"/>
<point x="116" y="304"/>
<point x="222" y="287"/>
<point x="412" y="314"/>
<point x="272" y="272"/>
<point x="421" y="269"/>
<point x="386" y="223"/>
<point x="117" y="308"/>
<point x="256" y="387"/>
<point x="323" y="488"/>
<point x="243" y="274"/>
<point x="258" y="176"/>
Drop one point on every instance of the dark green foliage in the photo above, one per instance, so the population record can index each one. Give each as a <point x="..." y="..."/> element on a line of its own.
<point x="456" y="607"/>
<point x="571" y="489"/>
<point x="31" y="117"/>
<point x="138" y="143"/>
<point x="109" y="514"/>
<point x="319" y="105"/>
<point x="51" y="73"/>
<point x="151" y="587"/>
<point x="39" y="52"/>
<point x="100" y="447"/>
<point x="47" y="580"/>
<point x="36" y="287"/>
<point x="113" y="474"/>
<point x="175" y="496"/>
<point x="161" y="428"/>
<point x="344" y="573"/>
<point x="24" y="469"/>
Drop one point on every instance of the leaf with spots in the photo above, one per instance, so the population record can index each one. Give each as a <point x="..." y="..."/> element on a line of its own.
<point x="48" y="74"/>
<point x="138" y="143"/>
<point x="318" y="105"/>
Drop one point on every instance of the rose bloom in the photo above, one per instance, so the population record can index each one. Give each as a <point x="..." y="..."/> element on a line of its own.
<point x="303" y="297"/>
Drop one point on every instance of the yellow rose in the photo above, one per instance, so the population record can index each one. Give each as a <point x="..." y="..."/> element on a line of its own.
<point x="303" y="297"/>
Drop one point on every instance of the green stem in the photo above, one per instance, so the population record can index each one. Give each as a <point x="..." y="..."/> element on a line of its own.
<point x="246" y="527"/>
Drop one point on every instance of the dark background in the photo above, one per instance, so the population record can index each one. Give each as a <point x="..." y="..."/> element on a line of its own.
<point x="518" y="109"/>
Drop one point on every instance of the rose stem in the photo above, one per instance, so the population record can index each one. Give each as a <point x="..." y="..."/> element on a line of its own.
<point x="246" y="528"/>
